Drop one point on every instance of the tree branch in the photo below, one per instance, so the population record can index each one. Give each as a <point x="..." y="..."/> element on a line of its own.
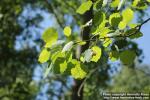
<point x="138" y="27"/>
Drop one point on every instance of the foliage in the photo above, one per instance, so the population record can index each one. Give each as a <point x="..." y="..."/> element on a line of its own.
<point x="106" y="29"/>
<point x="112" y="32"/>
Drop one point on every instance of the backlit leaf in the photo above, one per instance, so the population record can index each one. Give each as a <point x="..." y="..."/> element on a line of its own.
<point x="115" y="3"/>
<point x="67" y="31"/>
<point x="81" y="42"/>
<point x="128" y="15"/>
<point x="107" y="42"/>
<point x="122" y="25"/>
<point x="78" y="72"/>
<point x="84" y="7"/>
<point x="96" y="53"/>
<point x="50" y="35"/>
<point x="44" y="56"/>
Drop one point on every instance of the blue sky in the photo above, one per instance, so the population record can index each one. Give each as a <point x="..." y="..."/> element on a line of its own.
<point x="144" y="42"/>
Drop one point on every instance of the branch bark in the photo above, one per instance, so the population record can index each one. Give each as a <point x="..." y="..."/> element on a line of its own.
<point x="85" y="36"/>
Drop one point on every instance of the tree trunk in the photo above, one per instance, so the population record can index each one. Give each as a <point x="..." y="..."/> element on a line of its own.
<point x="85" y="36"/>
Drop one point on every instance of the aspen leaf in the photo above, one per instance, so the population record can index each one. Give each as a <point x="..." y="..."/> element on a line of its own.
<point x="84" y="7"/>
<point x="67" y="31"/>
<point x="44" y="56"/>
<point x="96" y="53"/>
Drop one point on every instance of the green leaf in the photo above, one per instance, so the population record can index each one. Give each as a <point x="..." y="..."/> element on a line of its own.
<point x="67" y="31"/>
<point x="78" y="72"/>
<point x="57" y="55"/>
<point x="60" y="65"/>
<point x="50" y="35"/>
<point x="115" y="3"/>
<point x="96" y="53"/>
<point x="81" y="42"/>
<point x="138" y="4"/>
<point x="104" y="32"/>
<point x="127" y="57"/>
<point x="122" y="25"/>
<point x="114" y="55"/>
<point x="133" y="25"/>
<point x="115" y="19"/>
<point x="135" y="33"/>
<point x="148" y="0"/>
<point x="84" y="7"/>
<point x="48" y="69"/>
<point x="99" y="18"/>
<point x="44" y="56"/>
<point x="63" y="67"/>
<point x="107" y="42"/>
<point x="98" y="4"/>
<point x="128" y="15"/>
<point x="68" y="46"/>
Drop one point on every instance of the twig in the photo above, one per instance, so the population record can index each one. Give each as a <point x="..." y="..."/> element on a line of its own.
<point x="81" y="86"/>
<point x="138" y="27"/>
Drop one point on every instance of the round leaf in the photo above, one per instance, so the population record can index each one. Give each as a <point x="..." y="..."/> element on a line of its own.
<point x="96" y="53"/>
<point x="44" y="56"/>
<point x="67" y="31"/>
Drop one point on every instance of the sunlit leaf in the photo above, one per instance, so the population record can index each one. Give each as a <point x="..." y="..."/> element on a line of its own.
<point x="115" y="3"/>
<point x="67" y="31"/>
<point x="133" y="25"/>
<point x="122" y="25"/>
<point x="44" y="56"/>
<point x="50" y="35"/>
<point x="104" y="32"/>
<point x="138" y="4"/>
<point x="96" y="53"/>
<point x="84" y="7"/>
<point x="128" y="15"/>
<point x="148" y="0"/>
<point x="107" y="42"/>
<point x="127" y="57"/>
<point x="63" y="67"/>
<point x="81" y="42"/>
<point x="78" y="72"/>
